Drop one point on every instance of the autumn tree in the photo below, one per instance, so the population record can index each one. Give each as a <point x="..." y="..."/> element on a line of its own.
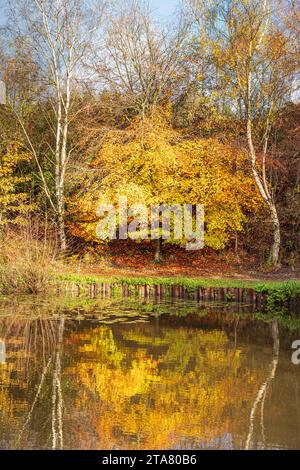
<point x="253" y="55"/>
<point x="153" y="165"/>
<point x="136" y="163"/>
<point x="57" y="35"/>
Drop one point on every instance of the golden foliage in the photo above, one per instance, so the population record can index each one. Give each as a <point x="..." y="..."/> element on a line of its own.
<point x="150" y="163"/>
<point x="14" y="203"/>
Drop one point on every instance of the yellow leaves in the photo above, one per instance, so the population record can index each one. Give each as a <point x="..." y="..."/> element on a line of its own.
<point x="215" y="175"/>
<point x="13" y="202"/>
<point x="150" y="163"/>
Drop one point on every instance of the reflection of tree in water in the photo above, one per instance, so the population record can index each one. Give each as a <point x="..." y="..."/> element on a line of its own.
<point x="33" y="343"/>
<point x="57" y="397"/>
<point x="2" y="351"/>
<point x="172" y="387"/>
<point x="263" y="390"/>
<point x="174" y="381"/>
<point x="36" y="338"/>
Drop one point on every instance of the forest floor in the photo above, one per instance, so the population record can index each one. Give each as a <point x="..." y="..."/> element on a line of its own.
<point x="132" y="260"/>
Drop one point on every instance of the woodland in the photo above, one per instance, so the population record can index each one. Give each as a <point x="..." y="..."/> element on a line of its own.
<point x="102" y="100"/>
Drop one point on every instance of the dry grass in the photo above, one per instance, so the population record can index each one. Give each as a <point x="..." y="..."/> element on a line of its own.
<point x="27" y="262"/>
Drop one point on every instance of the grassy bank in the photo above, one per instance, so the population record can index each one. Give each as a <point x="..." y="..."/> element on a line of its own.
<point x="273" y="292"/>
<point x="189" y="283"/>
<point x="34" y="271"/>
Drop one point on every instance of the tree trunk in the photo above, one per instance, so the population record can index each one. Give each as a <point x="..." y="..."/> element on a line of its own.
<point x="158" y="252"/>
<point x="61" y="220"/>
<point x="265" y="194"/>
<point x="59" y="174"/>
<point x="64" y="128"/>
<point x="275" y="249"/>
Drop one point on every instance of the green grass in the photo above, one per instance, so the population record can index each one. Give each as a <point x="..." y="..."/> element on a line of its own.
<point x="290" y="288"/>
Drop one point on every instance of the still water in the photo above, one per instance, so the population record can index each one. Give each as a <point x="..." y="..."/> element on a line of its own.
<point x="130" y="374"/>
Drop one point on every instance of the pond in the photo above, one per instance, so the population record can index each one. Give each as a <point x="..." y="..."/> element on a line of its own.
<point x="122" y="373"/>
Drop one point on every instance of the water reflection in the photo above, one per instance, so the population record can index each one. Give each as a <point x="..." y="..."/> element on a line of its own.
<point x="263" y="390"/>
<point x="121" y="374"/>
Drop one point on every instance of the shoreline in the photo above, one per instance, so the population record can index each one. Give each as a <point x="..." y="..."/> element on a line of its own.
<point x="263" y="293"/>
<point x="256" y="292"/>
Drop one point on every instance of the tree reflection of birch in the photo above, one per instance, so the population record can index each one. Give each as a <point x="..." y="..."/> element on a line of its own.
<point x="38" y="338"/>
<point x="57" y="396"/>
<point x="262" y="392"/>
<point x="41" y="338"/>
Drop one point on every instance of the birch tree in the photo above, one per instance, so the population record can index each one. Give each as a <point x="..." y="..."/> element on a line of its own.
<point x="256" y="53"/>
<point x="264" y="77"/>
<point x="59" y="34"/>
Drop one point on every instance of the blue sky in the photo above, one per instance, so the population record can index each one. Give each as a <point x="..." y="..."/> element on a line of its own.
<point x="2" y="6"/>
<point x="163" y="8"/>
